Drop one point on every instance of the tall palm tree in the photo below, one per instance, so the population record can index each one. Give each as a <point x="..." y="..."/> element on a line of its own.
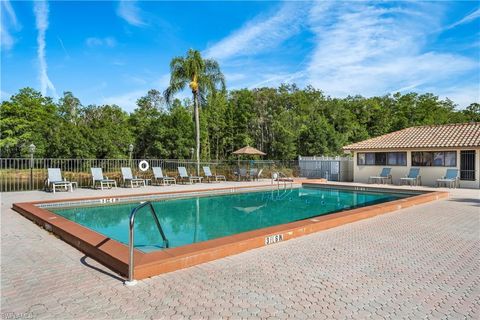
<point x="203" y="76"/>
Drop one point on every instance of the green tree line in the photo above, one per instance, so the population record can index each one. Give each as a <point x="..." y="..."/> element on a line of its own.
<point x="284" y="122"/>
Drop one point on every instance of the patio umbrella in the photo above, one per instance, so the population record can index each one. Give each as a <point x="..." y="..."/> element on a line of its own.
<point x="249" y="151"/>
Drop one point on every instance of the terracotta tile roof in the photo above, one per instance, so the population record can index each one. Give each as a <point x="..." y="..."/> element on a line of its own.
<point x="431" y="136"/>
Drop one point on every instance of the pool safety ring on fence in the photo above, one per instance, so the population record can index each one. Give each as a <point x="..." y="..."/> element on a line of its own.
<point x="143" y="165"/>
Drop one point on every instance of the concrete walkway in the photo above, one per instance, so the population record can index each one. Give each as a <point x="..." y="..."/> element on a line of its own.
<point x="420" y="262"/>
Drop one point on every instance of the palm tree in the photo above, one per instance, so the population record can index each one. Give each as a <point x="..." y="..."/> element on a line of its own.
<point x="203" y="76"/>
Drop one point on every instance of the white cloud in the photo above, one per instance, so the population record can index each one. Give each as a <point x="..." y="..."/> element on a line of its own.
<point x="130" y="12"/>
<point x="276" y="78"/>
<point x="235" y="76"/>
<point x="463" y="96"/>
<point x="8" y="21"/>
<point x="128" y="101"/>
<point x="260" y="34"/>
<point x="67" y="56"/>
<point x="467" y="19"/>
<point x="41" y="18"/>
<point x="370" y="50"/>
<point x="136" y="80"/>
<point x="163" y="81"/>
<point x="367" y="48"/>
<point x="119" y="62"/>
<point x="98" y="42"/>
<point x="9" y="10"/>
<point x="4" y="95"/>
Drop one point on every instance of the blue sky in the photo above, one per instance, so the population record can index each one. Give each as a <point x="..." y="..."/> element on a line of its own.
<point x="113" y="52"/>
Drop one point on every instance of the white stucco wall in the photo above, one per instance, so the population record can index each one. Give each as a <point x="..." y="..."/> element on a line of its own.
<point x="429" y="174"/>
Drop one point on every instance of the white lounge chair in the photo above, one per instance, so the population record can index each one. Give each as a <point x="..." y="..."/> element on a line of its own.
<point x="184" y="176"/>
<point x="128" y="178"/>
<point x="383" y="177"/>
<point x="413" y="177"/>
<point x="98" y="177"/>
<point x="56" y="180"/>
<point x="209" y="175"/>
<point x="450" y="179"/>
<point x="159" y="177"/>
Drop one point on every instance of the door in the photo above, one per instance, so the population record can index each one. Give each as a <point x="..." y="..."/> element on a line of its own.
<point x="467" y="165"/>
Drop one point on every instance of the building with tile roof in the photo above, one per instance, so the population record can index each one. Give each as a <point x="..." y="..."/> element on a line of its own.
<point x="431" y="148"/>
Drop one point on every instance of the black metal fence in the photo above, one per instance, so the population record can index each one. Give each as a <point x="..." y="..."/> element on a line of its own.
<point x="22" y="174"/>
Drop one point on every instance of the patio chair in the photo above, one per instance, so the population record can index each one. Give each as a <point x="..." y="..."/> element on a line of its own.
<point x="159" y="177"/>
<point x="450" y="179"/>
<point x="242" y="174"/>
<point x="184" y="176"/>
<point x="56" y="180"/>
<point x="255" y="174"/>
<point x="128" y="178"/>
<point x="209" y="175"/>
<point x="98" y="177"/>
<point x="412" y="178"/>
<point x="383" y="177"/>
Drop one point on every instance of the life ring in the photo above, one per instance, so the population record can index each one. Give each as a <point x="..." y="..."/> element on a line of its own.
<point x="143" y="165"/>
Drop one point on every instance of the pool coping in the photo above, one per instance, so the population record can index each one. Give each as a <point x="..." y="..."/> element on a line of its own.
<point x="114" y="254"/>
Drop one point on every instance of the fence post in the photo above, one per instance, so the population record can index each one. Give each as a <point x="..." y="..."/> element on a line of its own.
<point x="130" y="151"/>
<point x="31" y="150"/>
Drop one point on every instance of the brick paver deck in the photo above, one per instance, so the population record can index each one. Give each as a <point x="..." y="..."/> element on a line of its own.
<point x="420" y="262"/>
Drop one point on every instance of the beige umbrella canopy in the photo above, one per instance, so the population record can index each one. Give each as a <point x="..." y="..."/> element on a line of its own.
<point x="249" y="151"/>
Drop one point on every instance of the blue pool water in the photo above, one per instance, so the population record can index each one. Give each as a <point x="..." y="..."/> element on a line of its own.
<point x="195" y="219"/>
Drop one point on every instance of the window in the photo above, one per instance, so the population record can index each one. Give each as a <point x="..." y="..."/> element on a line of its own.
<point x="417" y="159"/>
<point x="451" y="159"/>
<point x="392" y="158"/>
<point x="422" y="159"/>
<point x="361" y="159"/>
<point x="467" y="165"/>
<point x="397" y="159"/>
<point x="438" y="159"/>
<point x="434" y="159"/>
<point x="382" y="158"/>
<point x="370" y="158"/>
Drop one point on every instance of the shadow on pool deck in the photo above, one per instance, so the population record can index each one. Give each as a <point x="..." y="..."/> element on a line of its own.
<point x="83" y="260"/>
<point x="473" y="201"/>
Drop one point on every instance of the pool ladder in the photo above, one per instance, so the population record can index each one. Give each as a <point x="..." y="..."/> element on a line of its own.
<point x="278" y="176"/>
<point x="281" y="186"/>
<point x="131" y="263"/>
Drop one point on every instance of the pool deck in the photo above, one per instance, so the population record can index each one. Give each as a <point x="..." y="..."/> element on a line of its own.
<point x="418" y="262"/>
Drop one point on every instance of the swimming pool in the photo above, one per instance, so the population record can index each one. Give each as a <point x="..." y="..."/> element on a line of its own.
<point x="196" y="219"/>
<point x="203" y="225"/>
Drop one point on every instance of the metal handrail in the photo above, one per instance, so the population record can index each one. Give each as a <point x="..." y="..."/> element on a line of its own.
<point x="277" y="176"/>
<point x="131" y="262"/>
